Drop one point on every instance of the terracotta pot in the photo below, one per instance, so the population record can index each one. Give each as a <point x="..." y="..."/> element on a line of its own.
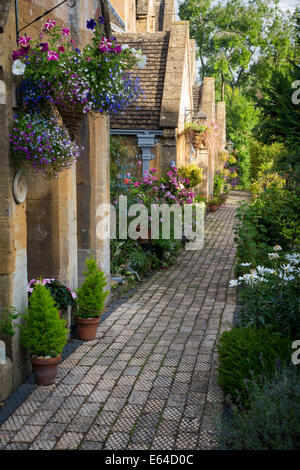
<point x="87" y="327"/>
<point x="144" y="240"/>
<point x="197" y="140"/>
<point x="72" y="120"/>
<point x="45" y="369"/>
<point x="214" y="207"/>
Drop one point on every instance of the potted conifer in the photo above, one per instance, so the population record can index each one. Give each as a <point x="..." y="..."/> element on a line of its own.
<point x="44" y="333"/>
<point x="90" y="301"/>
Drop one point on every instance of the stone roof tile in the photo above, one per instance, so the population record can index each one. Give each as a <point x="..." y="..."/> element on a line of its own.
<point x="145" y="114"/>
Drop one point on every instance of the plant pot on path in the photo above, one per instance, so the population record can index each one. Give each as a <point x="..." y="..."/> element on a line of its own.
<point x="214" y="207"/>
<point x="45" y="369"/>
<point x="87" y="327"/>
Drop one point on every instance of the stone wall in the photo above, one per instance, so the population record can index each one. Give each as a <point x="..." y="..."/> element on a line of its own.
<point x="39" y="236"/>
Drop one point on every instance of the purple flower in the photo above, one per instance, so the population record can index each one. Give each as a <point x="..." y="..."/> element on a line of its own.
<point x="101" y="20"/>
<point x="90" y="24"/>
<point x="44" y="46"/>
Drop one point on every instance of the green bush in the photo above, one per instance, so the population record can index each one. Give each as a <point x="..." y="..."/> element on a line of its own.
<point x="140" y="261"/>
<point x="44" y="333"/>
<point x="273" y="218"/>
<point x="91" y="296"/>
<point x="263" y="157"/>
<point x="272" y="421"/>
<point x="267" y="180"/>
<point x="248" y="354"/>
<point x="271" y="300"/>
<point x="6" y="321"/>
<point x="193" y="173"/>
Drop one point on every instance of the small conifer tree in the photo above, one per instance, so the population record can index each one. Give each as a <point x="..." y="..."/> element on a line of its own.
<point x="91" y="296"/>
<point x="44" y="333"/>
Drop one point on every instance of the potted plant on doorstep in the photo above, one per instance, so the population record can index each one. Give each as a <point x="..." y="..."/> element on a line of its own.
<point x="44" y="333"/>
<point x="90" y="301"/>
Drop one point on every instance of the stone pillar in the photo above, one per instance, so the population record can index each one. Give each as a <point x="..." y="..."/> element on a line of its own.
<point x="93" y="189"/>
<point x="203" y="162"/>
<point x="145" y="16"/>
<point x="169" y="14"/>
<point x="174" y="76"/>
<point x="169" y="148"/>
<point x="52" y="230"/>
<point x="130" y="16"/>
<point x="221" y="120"/>
<point x="208" y="98"/>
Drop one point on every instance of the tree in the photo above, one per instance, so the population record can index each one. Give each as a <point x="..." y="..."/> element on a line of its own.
<point x="234" y="36"/>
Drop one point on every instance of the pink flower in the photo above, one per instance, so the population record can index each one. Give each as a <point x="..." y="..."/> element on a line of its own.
<point x="65" y="32"/>
<point x="49" y="24"/>
<point x="139" y="162"/>
<point x="24" y="41"/>
<point x="105" y="45"/>
<point x="117" y="49"/>
<point x="74" y="295"/>
<point x="73" y="42"/>
<point x="88" y="58"/>
<point x="52" y="55"/>
<point x="61" y="49"/>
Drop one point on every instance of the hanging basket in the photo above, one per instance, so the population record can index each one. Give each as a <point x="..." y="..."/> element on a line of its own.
<point x="72" y="120"/>
<point x="197" y="140"/>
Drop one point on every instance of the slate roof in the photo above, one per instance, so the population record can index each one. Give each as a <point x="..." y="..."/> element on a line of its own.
<point x="155" y="47"/>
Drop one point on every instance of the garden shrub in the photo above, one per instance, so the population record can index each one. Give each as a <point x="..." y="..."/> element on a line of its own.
<point x="273" y="218"/>
<point x="272" y="421"/>
<point x="44" y="333"/>
<point x="246" y="355"/>
<point x="263" y="157"/>
<point x="91" y="295"/>
<point x="192" y="174"/>
<point x="267" y="180"/>
<point x="140" y="261"/>
<point x="270" y="298"/>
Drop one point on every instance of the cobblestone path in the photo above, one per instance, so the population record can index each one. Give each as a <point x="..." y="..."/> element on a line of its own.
<point x="149" y="380"/>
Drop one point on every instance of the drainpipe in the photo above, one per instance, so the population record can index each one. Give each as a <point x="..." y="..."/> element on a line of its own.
<point x="146" y="142"/>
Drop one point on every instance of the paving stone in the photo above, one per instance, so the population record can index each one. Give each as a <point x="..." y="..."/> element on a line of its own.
<point x="69" y="441"/>
<point x="150" y="375"/>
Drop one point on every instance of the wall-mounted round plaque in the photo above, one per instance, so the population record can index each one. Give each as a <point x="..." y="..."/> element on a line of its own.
<point x="20" y="187"/>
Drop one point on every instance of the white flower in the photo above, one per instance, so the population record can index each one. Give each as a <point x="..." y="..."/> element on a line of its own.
<point x="273" y="255"/>
<point x="293" y="258"/>
<point x="233" y="283"/>
<point x="277" y="248"/>
<point x="287" y="268"/>
<point x="18" y="67"/>
<point x="124" y="47"/>
<point x="142" y="62"/>
<point x="245" y="264"/>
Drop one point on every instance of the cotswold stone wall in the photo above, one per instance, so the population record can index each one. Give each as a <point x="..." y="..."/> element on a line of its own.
<point x="39" y="236"/>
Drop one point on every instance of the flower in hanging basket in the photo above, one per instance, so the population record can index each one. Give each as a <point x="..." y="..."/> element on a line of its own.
<point x="94" y="79"/>
<point x="39" y="144"/>
<point x="18" y="68"/>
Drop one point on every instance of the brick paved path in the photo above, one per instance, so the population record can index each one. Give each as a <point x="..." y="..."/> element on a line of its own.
<point x="148" y="381"/>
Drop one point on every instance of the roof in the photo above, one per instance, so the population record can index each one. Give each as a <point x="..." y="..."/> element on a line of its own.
<point x="145" y="114"/>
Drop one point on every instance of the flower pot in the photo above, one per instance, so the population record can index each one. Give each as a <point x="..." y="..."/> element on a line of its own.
<point x="45" y="369"/>
<point x="214" y="207"/>
<point x="87" y="327"/>
<point x="72" y="120"/>
<point x="144" y="240"/>
<point x="197" y="140"/>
